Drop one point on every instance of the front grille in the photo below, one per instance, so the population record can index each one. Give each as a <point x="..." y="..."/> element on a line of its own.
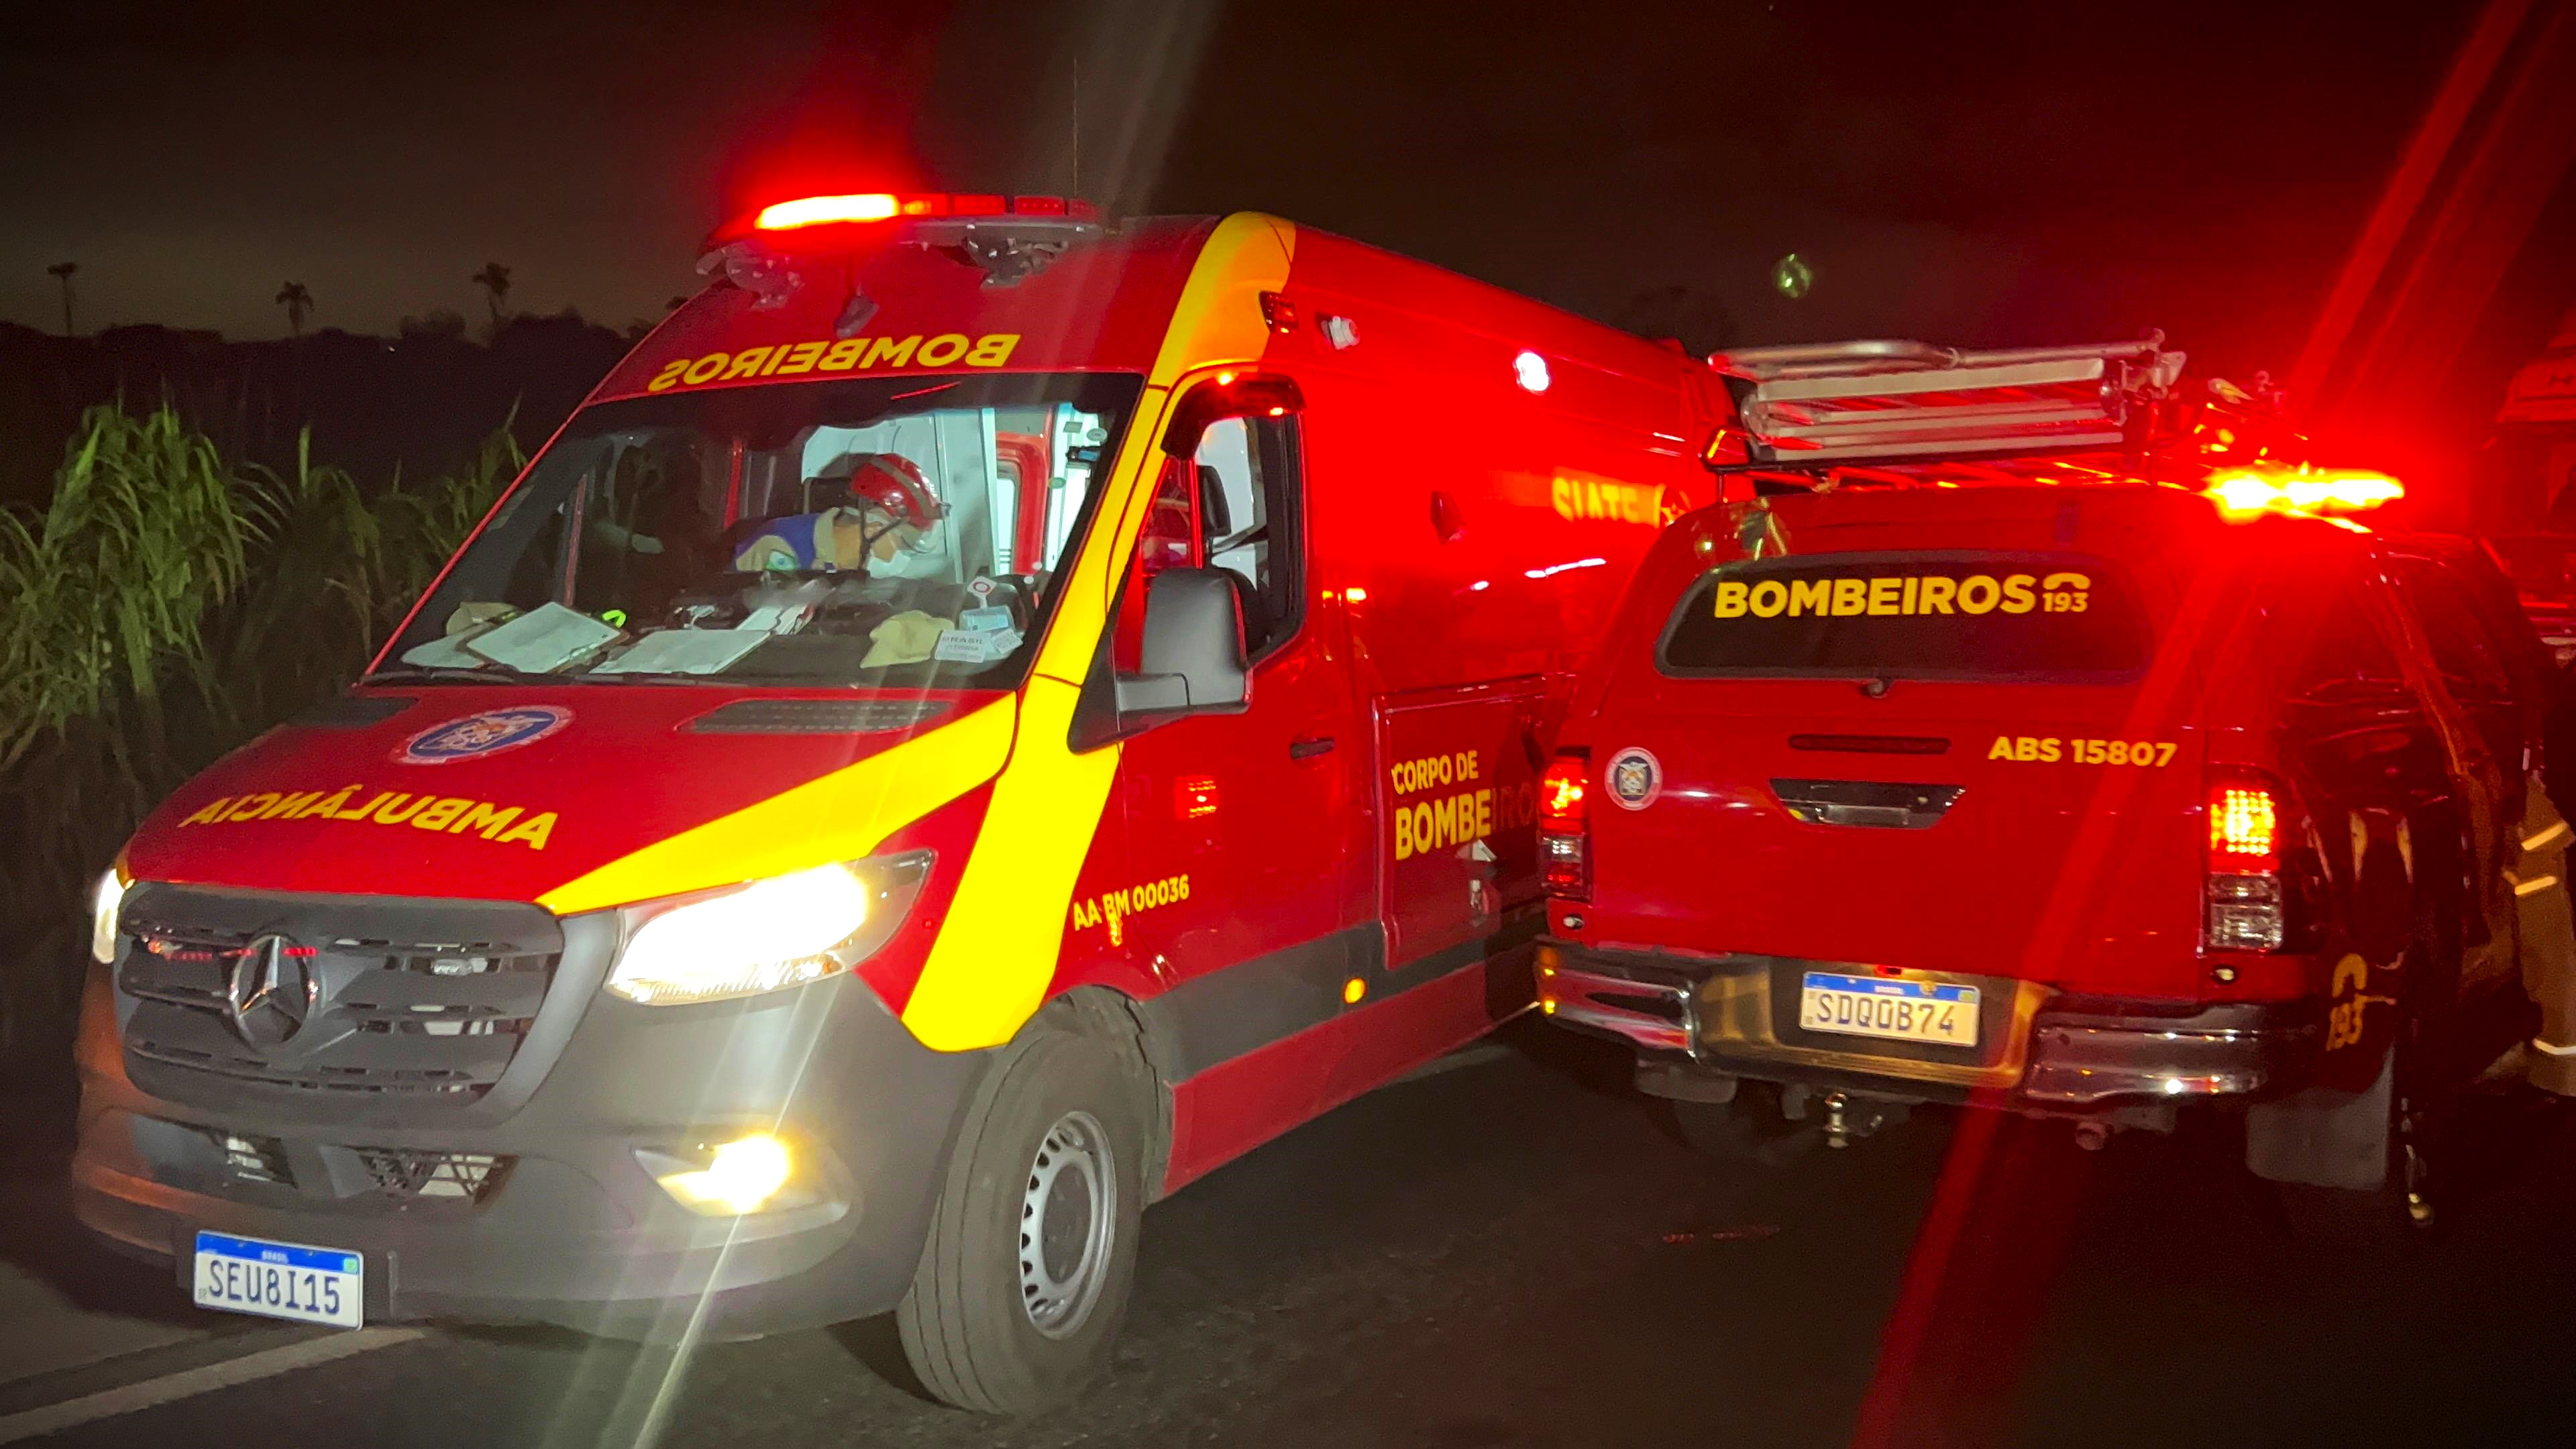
<point x="470" y="1176"/>
<point x="407" y="999"/>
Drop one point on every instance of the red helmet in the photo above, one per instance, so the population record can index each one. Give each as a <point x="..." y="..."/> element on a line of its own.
<point x="891" y="484"/>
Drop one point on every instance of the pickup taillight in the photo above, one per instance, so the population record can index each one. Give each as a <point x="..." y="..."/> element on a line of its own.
<point x="1564" y="841"/>
<point x="2244" y="904"/>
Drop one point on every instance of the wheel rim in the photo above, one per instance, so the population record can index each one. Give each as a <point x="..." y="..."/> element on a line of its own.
<point x="1068" y="1219"/>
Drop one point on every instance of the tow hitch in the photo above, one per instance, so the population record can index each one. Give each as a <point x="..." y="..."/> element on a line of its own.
<point x="1847" y="1116"/>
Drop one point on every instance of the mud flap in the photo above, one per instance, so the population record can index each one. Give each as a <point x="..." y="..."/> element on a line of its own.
<point x="2325" y="1136"/>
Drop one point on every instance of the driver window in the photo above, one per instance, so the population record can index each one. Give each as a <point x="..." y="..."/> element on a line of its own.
<point x="1232" y="505"/>
<point x="1247" y="489"/>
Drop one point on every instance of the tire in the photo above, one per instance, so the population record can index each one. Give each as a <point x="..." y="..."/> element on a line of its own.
<point x="1032" y="1250"/>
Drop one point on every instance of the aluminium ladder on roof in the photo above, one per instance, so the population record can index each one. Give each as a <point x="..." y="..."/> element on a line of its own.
<point x="1813" y="405"/>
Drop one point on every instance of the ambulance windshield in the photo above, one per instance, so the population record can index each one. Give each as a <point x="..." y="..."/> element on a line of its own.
<point x="887" y="532"/>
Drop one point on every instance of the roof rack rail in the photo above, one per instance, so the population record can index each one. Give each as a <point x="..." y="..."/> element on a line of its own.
<point x="1837" y="404"/>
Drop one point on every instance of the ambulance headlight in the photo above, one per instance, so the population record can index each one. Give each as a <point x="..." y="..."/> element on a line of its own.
<point x="768" y="935"/>
<point x="107" y="903"/>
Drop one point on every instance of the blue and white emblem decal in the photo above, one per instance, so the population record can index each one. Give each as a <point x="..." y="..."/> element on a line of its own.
<point x="1634" y="779"/>
<point x="477" y="735"/>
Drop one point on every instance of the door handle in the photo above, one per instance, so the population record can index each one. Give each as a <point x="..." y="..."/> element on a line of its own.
<point x="1310" y="747"/>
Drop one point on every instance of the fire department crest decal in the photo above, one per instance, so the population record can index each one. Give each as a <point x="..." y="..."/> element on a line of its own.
<point x="1634" y="779"/>
<point x="488" y="733"/>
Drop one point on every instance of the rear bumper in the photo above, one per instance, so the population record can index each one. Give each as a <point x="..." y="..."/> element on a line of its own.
<point x="574" y="1230"/>
<point x="2039" y="1050"/>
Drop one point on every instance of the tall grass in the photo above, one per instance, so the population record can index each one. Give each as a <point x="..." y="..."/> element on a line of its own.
<point x="165" y="607"/>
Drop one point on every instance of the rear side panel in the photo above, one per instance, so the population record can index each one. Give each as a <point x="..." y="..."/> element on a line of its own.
<point x="1937" y="827"/>
<point x="1456" y="797"/>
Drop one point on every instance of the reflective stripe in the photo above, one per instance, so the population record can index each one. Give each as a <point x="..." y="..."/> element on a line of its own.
<point x="839" y="816"/>
<point x="996" y="952"/>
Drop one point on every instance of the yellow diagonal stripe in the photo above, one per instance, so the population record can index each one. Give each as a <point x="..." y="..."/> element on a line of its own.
<point x="989" y="970"/>
<point x="839" y="816"/>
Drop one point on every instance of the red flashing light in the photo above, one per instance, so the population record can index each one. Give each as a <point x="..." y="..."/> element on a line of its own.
<point x="871" y="206"/>
<point x="2244" y="827"/>
<point x="1560" y="795"/>
<point x="2248" y="492"/>
<point x="827" y="210"/>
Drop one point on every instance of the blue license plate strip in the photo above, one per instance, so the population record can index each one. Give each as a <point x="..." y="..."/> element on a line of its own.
<point x="1891" y="986"/>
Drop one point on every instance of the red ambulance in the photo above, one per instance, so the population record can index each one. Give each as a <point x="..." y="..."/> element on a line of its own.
<point x="2006" y="753"/>
<point x="983" y="717"/>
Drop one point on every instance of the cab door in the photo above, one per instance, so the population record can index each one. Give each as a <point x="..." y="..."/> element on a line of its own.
<point x="1240" y="824"/>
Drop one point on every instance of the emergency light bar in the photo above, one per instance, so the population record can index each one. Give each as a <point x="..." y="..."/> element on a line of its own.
<point x="886" y="206"/>
<point x="1062" y="218"/>
<point x="1822" y="405"/>
<point x="1008" y="237"/>
<point x="2244" y="492"/>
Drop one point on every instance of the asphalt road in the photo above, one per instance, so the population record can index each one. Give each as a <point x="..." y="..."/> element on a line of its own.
<point x="1511" y="1251"/>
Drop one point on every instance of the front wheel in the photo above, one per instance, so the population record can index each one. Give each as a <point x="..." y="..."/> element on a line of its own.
<point x="1032" y="1248"/>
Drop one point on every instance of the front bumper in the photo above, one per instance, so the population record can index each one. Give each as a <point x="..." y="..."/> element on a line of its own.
<point x="2038" y="1049"/>
<point x="572" y="1229"/>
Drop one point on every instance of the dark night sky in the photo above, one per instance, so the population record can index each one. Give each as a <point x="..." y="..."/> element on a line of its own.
<point x="1965" y="171"/>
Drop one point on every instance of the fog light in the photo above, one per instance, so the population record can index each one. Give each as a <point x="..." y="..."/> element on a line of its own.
<point x="740" y="1177"/>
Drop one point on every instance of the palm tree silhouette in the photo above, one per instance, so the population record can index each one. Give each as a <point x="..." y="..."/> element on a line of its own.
<point x="63" y="271"/>
<point x="297" y="302"/>
<point x="495" y="279"/>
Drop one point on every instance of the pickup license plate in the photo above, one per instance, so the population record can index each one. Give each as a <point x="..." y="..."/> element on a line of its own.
<point x="280" y="1280"/>
<point x="1924" y="1011"/>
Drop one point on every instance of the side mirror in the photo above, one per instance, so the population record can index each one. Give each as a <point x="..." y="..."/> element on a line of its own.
<point x="1191" y="660"/>
<point x="1192" y="654"/>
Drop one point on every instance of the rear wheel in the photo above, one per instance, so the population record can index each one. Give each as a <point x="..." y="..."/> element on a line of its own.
<point x="1032" y="1248"/>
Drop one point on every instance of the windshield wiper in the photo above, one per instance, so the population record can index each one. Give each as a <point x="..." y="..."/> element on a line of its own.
<point x="472" y="673"/>
<point x="651" y="676"/>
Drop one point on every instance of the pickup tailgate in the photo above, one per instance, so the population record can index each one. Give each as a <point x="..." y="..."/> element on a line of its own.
<point x="1993" y="793"/>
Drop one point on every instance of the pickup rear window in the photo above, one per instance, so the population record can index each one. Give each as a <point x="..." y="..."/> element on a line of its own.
<point x="2058" y="618"/>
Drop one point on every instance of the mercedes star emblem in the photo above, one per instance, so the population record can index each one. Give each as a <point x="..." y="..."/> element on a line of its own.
<point x="269" y="993"/>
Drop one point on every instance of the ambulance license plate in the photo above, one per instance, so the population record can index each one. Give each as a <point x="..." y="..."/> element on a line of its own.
<point x="1924" y="1011"/>
<point x="280" y="1280"/>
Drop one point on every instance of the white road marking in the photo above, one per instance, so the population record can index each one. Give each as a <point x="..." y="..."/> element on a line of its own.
<point x="188" y="1383"/>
